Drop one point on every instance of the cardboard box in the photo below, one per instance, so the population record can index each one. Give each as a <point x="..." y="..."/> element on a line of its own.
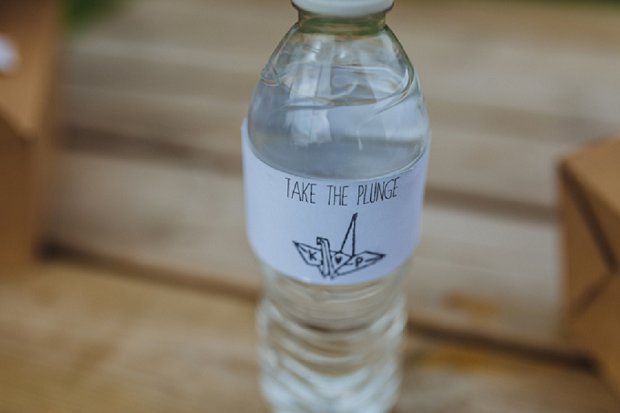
<point x="26" y="123"/>
<point x="590" y="213"/>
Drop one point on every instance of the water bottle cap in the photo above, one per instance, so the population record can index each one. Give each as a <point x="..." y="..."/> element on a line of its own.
<point x="344" y="8"/>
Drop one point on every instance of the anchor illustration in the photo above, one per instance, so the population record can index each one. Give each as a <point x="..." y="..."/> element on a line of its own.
<point x="335" y="263"/>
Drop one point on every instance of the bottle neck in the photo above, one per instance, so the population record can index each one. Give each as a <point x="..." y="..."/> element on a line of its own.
<point x="309" y="22"/>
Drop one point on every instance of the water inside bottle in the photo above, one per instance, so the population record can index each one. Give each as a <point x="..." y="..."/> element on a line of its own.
<point x="338" y="110"/>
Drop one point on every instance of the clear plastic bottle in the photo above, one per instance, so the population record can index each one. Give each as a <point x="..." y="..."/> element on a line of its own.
<point x="337" y="104"/>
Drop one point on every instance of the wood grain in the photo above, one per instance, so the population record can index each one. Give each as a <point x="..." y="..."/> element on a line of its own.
<point x="473" y="162"/>
<point x="494" y="89"/>
<point x="190" y="220"/>
<point x="150" y="175"/>
<point x="76" y="339"/>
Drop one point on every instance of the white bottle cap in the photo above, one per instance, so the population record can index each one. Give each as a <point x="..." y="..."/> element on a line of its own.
<point x="344" y="8"/>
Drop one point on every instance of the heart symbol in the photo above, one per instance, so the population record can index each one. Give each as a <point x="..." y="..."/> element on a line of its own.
<point x="338" y="258"/>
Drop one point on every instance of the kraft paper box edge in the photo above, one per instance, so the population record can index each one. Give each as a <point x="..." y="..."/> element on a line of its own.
<point x="590" y="217"/>
<point x="27" y="124"/>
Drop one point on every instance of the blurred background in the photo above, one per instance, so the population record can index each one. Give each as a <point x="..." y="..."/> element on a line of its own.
<point x="148" y="97"/>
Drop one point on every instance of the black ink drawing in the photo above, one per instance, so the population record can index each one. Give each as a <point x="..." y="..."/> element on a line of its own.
<point x="333" y="263"/>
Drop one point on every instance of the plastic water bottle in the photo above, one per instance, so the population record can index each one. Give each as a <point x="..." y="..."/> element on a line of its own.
<point x="335" y="152"/>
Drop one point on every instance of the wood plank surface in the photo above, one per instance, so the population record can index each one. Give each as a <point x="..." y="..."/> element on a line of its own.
<point x="75" y="338"/>
<point x="150" y="170"/>
<point x="468" y="273"/>
<point x="493" y="92"/>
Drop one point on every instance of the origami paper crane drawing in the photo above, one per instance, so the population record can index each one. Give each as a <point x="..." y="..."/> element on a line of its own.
<point x="335" y="263"/>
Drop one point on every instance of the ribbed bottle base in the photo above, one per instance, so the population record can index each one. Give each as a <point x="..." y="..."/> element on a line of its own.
<point x="332" y="367"/>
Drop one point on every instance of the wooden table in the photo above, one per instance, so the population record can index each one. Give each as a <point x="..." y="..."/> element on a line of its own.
<point x="150" y="172"/>
<point x="75" y="338"/>
<point x="149" y="189"/>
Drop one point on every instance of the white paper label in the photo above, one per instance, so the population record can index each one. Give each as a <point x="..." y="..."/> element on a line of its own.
<point x="332" y="232"/>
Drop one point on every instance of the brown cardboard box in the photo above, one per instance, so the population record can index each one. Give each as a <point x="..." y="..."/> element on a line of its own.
<point x="26" y="124"/>
<point x="590" y="211"/>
